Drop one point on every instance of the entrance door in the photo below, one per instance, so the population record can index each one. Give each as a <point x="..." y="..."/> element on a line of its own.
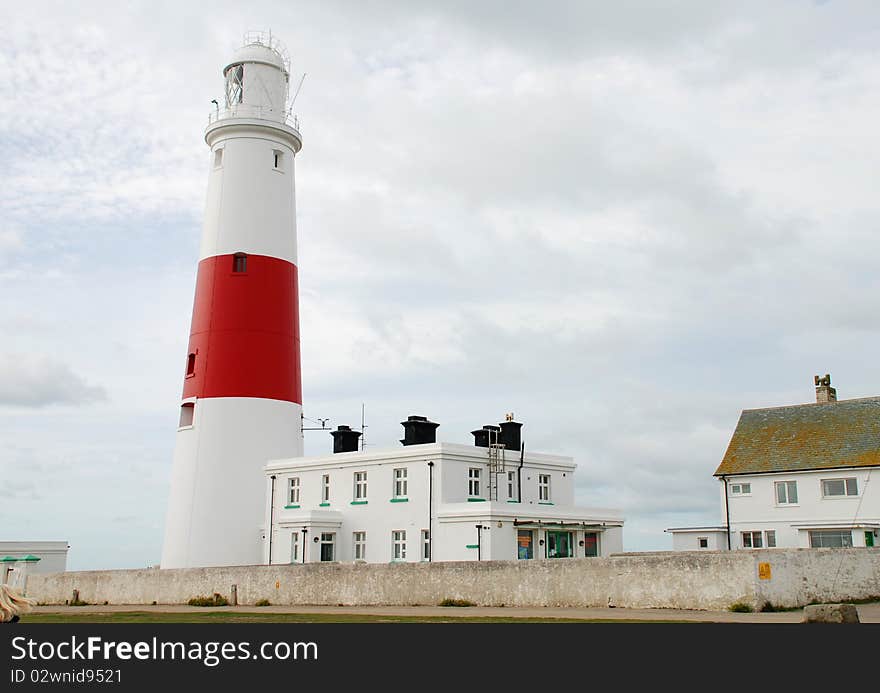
<point x="328" y="546"/>
<point x="591" y="544"/>
<point x="559" y="545"/>
<point x="869" y="538"/>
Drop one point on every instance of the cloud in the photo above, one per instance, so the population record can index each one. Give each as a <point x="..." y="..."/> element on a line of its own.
<point x="38" y="381"/>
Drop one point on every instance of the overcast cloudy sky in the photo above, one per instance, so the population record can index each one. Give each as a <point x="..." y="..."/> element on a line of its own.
<point x="624" y="222"/>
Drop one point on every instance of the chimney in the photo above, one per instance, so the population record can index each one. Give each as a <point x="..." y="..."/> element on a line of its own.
<point x="344" y="439"/>
<point x="510" y="433"/>
<point x="486" y="435"/>
<point x="417" y="430"/>
<point x="824" y="392"/>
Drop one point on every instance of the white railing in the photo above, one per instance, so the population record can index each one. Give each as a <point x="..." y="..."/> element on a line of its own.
<point x="259" y="112"/>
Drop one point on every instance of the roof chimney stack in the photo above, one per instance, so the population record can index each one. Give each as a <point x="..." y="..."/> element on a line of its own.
<point x="486" y="435"/>
<point x="510" y="433"/>
<point x="417" y="430"/>
<point x="344" y="439"/>
<point x="824" y="392"/>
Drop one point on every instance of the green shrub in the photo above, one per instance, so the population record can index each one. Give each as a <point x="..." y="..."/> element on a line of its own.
<point x="741" y="607"/>
<point x="456" y="602"/>
<point x="78" y="602"/>
<point x="216" y="600"/>
<point x="263" y="602"/>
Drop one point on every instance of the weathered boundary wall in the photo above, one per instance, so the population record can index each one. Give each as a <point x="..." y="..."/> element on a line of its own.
<point x="709" y="580"/>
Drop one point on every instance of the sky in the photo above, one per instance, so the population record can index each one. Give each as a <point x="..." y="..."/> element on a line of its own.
<point x="623" y="222"/>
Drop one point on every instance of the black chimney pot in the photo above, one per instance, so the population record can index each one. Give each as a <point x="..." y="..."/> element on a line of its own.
<point x="417" y="430"/>
<point x="344" y="439"/>
<point x="486" y="435"/>
<point x="510" y="435"/>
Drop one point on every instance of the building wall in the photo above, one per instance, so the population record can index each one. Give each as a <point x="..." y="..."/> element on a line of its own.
<point x="759" y="510"/>
<point x="690" y="540"/>
<point x="679" y="580"/>
<point x="52" y="554"/>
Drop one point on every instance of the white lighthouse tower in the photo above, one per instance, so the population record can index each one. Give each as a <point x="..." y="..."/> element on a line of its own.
<point x="242" y="390"/>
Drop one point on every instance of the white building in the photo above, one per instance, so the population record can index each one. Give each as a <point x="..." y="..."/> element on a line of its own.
<point x="18" y="559"/>
<point x="430" y="501"/>
<point x="798" y="476"/>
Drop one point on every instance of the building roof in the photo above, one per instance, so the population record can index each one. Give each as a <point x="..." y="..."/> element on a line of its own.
<point x="830" y="435"/>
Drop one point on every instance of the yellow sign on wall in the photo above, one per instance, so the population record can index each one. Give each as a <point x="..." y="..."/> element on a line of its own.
<point x="764" y="571"/>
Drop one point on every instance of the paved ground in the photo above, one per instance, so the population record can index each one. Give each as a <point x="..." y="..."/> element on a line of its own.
<point x="868" y="613"/>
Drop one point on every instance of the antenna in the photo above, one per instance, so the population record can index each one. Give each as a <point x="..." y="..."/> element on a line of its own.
<point x="304" y="418"/>
<point x="296" y="93"/>
<point x="363" y="426"/>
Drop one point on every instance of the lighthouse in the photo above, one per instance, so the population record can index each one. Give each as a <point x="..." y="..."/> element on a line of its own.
<point x="242" y="391"/>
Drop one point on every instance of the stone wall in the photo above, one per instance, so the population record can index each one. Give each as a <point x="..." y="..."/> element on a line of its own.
<point x="709" y="580"/>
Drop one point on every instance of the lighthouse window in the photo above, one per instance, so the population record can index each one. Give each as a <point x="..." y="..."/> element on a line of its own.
<point x="187" y="412"/>
<point x="239" y="262"/>
<point x="218" y="158"/>
<point x="234" y="83"/>
<point x="278" y="158"/>
<point x="191" y="364"/>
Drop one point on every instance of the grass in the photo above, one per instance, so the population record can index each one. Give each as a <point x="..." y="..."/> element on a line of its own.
<point x="246" y="617"/>
<point x="741" y="607"/>
<point x="216" y="600"/>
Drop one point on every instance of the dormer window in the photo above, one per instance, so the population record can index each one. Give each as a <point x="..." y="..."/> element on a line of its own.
<point x="191" y="365"/>
<point x="239" y="262"/>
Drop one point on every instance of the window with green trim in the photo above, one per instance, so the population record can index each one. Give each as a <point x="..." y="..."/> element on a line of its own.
<point x="293" y="490"/>
<point x="474" y="482"/>
<point x="400" y="482"/>
<point x="360" y="486"/>
<point x="543" y="487"/>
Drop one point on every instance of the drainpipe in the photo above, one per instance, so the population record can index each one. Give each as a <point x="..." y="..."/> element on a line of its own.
<point x="522" y="454"/>
<point x="726" y="510"/>
<point x="479" y="530"/>
<point x="430" y="508"/>
<point x="305" y="546"/>
<point x="271" y="513"/>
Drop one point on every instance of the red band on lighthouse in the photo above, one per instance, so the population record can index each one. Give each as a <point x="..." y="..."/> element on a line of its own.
<point x="245" y="330"/>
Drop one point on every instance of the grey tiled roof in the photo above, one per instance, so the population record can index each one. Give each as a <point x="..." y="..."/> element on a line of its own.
<point x="806" y="436"/>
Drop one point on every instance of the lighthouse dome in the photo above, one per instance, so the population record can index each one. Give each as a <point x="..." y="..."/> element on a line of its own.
<point x="258" y="78"/>
<point x="257" y="53"/>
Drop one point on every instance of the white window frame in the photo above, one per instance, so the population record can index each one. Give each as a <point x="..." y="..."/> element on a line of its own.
<point x="398" y="545"/>
<point x="752" y="535"/>
<point x="294" y="547"/>
<point x="787" y="485"/>
<point x="474" y="482"/>
<point x="400" y="482"/>
<point x="426" y="545"/>
<point x="741" y="489"/>
<point x="359" y="546"/>
<point x="511" y="485"/>
<point x="325" y="488"/>
<point x="841" y="532"/>
<point x="544" y="487"/>
<point x="360" y="486"/>
<point x="293" y="486"/>
<point x="770" y="538"/>
<point x="846" y="488"/>
<point x="702" y="539"/>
